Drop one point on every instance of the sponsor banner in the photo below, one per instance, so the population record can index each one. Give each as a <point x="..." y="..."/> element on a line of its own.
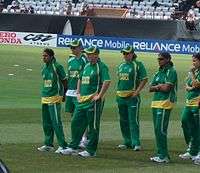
<point x="32" y="39"/>
<point x="10" y="38"/>
<point x="143" y="45"/>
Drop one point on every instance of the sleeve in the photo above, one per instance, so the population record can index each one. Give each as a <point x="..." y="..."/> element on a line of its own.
<point x="105" y="76"/>
<point x="142" y="73"/>
<point x="171" y="77"/>
<point x="153" y="82"/>
<point x="61" y="72"/>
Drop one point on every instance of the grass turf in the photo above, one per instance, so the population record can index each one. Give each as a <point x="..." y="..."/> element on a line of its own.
<point x="20" y="119"/>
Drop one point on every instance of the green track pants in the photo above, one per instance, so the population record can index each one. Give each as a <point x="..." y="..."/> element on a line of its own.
<point x="52" y="123"/>
<point x="191" y="128"/>
<point x="161" y="121"/>
<point x="129" y="121"/>
<point x="83" y="118"/>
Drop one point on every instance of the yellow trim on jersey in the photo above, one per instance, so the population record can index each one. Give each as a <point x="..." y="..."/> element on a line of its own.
<point x="193" y="102"/>
<point x="51" y="100"/>
<point x="163" y="104"/>
<point x="125" y="93"/>
<point x="86" y="98"/>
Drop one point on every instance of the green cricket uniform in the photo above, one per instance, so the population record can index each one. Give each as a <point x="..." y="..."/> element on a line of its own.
<point x="87" y="113"/>
<point x="52" y="94"/>
<point x="162" y="105"/>
<point x="75" y="65"/>
<point x="130" y="74"/>
<point x="190" y="116"/>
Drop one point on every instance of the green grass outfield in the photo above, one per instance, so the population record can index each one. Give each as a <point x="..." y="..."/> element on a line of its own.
<point x="20" y="120"/>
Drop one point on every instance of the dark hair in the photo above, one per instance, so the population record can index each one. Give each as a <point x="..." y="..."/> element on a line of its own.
<point x="197" y="56"/>
<point x="165" y="55"/>
<point x="49" y="52"/>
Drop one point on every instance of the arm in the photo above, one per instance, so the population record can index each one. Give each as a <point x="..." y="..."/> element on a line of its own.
<point x="161" y="88"/>
<point x="64" y="83"/>
<point x="104" y="88"/>
<point x="78" y="89"/>
<point x="140" y="87"/>
<point x="154" y="88"/>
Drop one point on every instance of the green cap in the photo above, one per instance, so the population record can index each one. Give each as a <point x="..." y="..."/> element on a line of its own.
<point x="75" y="43"/>
<point x="92" y="49"/>
<point x="128" y="49"/>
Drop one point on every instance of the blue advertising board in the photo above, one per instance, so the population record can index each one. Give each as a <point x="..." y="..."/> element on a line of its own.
<point x="143" y="45"/>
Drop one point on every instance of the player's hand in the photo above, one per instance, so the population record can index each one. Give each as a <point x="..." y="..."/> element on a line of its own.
<point x="188" y="88"/>
<point x="195" y="84"/>
<point x="96" y="97"/>
<point x="78" y="96"/>
<point x="135" y="94"/>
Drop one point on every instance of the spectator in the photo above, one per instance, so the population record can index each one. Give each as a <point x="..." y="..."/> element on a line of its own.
<point x="14" y="6"/>
<point x="190" y="19"/>
<point x="84" y="8"/>
<point x="31" y="10"/>
<point x="68" y="8"/>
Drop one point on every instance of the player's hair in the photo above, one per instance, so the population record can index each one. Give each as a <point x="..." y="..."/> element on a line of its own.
<point x="166" y="55"/>
<point x="49" y="52"/>
<point x="197" y="56"/>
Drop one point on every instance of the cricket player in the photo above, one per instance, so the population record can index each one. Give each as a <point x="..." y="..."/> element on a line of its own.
<point x="191" y="116"/>
<point x="132" y="78"/>
<point x="53" y="93"/>
<point x="75" y="65"/>
<point x="92" y="86"/>
<point x="164" y="86"/>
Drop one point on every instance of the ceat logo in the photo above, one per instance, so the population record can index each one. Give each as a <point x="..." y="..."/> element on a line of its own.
<point x="38" y="39"/>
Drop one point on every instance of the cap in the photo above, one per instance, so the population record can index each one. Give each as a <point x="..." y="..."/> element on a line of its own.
<point x="75" y="43"/>
<point x="92" y="49"/>
<point x="128" y="49"/>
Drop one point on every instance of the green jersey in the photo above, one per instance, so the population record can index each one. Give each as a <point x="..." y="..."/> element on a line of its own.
<point x="92" y="79"/>
<point x="52" y="88"/>
<point x="129" y="76"/>
<point x="75" y="65"/>
<point x="165" y="100"/>
<point x="193" y="96"/>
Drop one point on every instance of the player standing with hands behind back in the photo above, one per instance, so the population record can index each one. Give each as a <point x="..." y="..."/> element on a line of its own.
<point x="53" y="93"/>
<point x="132" y="78"/>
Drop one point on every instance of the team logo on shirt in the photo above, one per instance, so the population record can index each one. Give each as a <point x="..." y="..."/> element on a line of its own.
<point x="74" y="74"/>
<point x="123" y="76"/>
<point x="48" y="83"/>
<point x="85" y="80"/>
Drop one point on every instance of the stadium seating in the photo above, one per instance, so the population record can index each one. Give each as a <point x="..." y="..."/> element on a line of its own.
<point x="146" y="9"/>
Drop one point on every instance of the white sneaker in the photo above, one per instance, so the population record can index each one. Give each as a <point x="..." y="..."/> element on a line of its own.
<point x="59" y="150"/>
<point x="122" y="146"/>
<point x="197" y="160"/>
<point x="69" y="151"/>
<point x="159" y="160"/>
<point x="45" y="148"/>
<point x="85" y="154"/>
<point x="137" y="148"/>
<point x="186" y="156"/>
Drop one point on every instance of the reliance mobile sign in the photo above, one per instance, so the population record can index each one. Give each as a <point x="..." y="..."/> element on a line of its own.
<point x="143" y="45"/>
